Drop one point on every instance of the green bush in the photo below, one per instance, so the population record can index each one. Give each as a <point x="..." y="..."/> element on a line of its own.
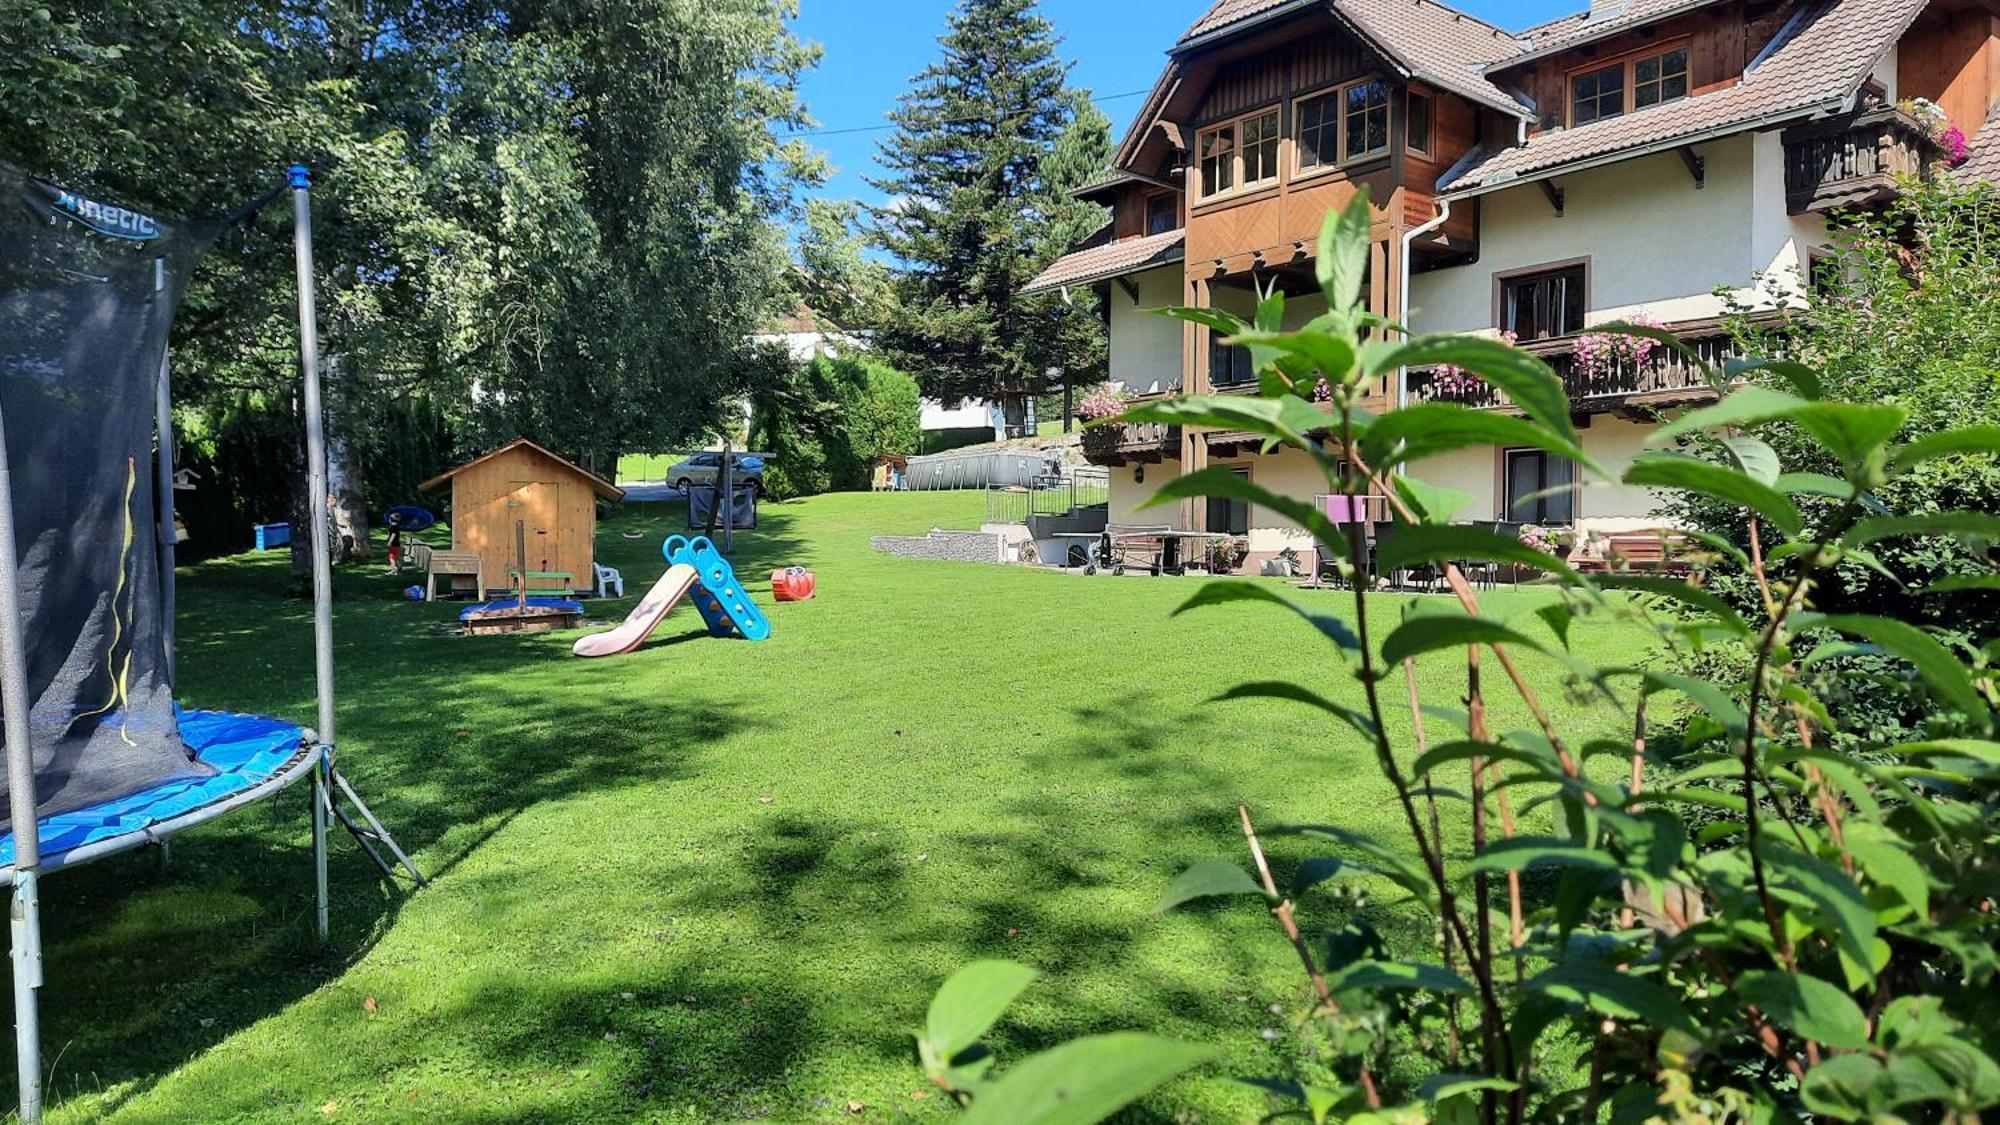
<point x="1770" y="916"/>
<point x="830" y="420"/>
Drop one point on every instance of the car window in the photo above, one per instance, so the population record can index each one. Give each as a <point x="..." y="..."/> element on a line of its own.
<point x="704" y="461"/>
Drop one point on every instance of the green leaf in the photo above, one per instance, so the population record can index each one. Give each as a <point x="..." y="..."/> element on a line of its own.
<point x="1400" y="975"/>
<point x="1461" y="543"/>
<point x="1677" y="590"/>
<point x="1603" y="989"/>
<point x="1813" y="484"/>
<point x="1842" y="907"/>
<point x="1804" y="380"/>
<point x="1433" y="428"/>
<point x="1689" y="474"/>
<point x="1950" y="443"/>
<point x="1265" y="416"/>
<point x="1524" y="852"/>
<point x="1890" y="867"/>
<point x="1750" y="406"/>
<point x="1970" y="525"/>
<point x="1718" y="703"/>
<point x="969" y="1003"/>
<point x="1465" y="751"/>
<point x="1084" y="1081"/>
<point x="1327" y="354"/>
<point x="1342" y="265"/>
<point x="1433" y="631"/>
<point x="1945" y="674"/>
<point x="1218" y="481"/>
<point x="1293" y="693"/>
<point x="1808" y="1006"/>
<point x="1754" y="456"/>
<point x="1432" y="503"/>
<point x="1962" y="583"/>
<point x="1842" y="1087"/>
<point x="1525" y="379"/>
<point x="1327" y="869"/>
<point x="1978" y="750"/>
<point x="1207" y="879"/>
<point x="1271" y="312"/>
<point x="1227" y="323"/>
<point x="1441" y="1088"/>
<point x="1224" y="593"/>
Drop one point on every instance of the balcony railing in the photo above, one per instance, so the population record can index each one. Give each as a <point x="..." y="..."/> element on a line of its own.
<point x="1122" y="443"/>
<point x="1667" y="376"/>
<point x="1855" y="160"/>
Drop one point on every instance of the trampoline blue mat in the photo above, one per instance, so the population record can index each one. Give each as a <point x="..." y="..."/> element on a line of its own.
<point x="244" y="750"/>
<point x="561" y="605"/>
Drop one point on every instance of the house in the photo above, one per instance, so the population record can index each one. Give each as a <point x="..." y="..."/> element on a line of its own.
<point x="522" y="499"/>
<point x="1625" y="162"/>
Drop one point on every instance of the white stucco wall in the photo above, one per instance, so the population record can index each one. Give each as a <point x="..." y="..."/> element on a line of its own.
<point x="1655" y="243"/>
<point x="1146" y="347"/>
<point x="1127" y="494"/>
<point x="968" y="415"/>
<point x="1614" y="442"/>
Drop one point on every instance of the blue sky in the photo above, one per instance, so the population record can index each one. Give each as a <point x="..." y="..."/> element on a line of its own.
<point x="873" y="47"/>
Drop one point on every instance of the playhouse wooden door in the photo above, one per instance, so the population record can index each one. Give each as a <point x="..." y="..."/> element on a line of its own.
<point x="537" y="505"/>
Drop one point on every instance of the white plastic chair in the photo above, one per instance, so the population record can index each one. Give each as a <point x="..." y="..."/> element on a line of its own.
<point x="610" y="583"/>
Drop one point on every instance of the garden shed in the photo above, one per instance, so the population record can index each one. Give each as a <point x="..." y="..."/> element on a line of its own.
<point x="553" y="501"/>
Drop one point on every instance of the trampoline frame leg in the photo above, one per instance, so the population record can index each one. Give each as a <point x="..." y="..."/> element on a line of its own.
<point x="371" y="831"/>
<point x="319" y="847"/>
<point x="25" y="915"/>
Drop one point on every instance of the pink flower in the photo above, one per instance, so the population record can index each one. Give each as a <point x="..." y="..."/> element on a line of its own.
<point x="1599" y="352"/>
<point x="1107" y="401"/>
<point x="1956" y="150"/>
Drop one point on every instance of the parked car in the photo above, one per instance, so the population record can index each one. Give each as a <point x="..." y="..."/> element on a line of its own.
<point x="706" y="468"/>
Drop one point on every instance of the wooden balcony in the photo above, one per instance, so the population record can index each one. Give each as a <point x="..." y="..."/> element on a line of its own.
<point x="1666" y="378"/>
<point x="1854" y="161"/>
<point x="1127" y="443"/>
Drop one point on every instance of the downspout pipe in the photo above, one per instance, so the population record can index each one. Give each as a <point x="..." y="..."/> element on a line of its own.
<point x="1403" y="290"/>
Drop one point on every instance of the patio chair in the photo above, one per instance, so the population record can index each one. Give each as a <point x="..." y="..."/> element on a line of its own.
<point x="610" y="583"/>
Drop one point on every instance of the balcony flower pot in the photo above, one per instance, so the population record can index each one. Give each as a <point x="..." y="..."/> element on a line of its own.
<point x="1103" y="440"/>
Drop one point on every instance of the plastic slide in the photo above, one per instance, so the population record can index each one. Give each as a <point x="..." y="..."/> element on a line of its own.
<point x="724" y="604"/>
<point x="640" y="623"/>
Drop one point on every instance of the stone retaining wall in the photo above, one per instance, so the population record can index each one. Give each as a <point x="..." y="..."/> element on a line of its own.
<point x="942" y="546"/>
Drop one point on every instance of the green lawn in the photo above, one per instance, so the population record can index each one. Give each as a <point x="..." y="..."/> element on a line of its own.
<point x="714" y="880"/>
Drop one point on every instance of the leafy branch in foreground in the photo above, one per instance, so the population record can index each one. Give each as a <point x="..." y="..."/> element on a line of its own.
<point x="1748" y="920"/>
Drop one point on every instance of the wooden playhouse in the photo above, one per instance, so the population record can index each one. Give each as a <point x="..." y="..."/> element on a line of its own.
<point x="553" y="502"/>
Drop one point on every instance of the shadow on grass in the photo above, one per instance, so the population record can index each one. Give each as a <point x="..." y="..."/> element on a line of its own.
<point x="448" y="738"/>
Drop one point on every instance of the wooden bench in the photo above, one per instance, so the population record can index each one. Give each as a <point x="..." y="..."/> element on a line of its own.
<point x="449" y="565"/>
<point x="1636" y="552"/>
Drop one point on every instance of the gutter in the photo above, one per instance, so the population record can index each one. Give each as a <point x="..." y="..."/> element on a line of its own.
<point x="1586" y="38"/>
<point x="1718" y="133"/>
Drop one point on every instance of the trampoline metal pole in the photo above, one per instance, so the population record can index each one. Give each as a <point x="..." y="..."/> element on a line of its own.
<point x="25" y="913"/>
<point x="163" y="423"/>
<point x="316" y="507"/>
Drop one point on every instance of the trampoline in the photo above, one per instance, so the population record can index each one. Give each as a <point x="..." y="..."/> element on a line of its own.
<point x="101" y="758"/>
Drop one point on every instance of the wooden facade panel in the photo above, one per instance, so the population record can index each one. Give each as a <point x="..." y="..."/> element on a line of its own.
<point x="1265" y="79"/>
<point x="1721" y="43"/>
<point x="555" y="506"/>
<point x="1954" y="62"/>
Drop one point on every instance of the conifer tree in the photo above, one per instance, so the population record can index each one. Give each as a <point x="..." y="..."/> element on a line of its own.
<point x="980" y="204"/>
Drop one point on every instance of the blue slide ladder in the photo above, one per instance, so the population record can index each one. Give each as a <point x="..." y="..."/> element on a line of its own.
<point x="722" y="601"/>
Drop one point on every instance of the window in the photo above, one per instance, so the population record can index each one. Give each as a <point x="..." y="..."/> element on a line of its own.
<point x="1597" y="95"/>
<point x="1351" y="123"/>
<point x="1660" y="78"/>
<point x="1229" y="366"/>
<point x="1260" y="148"/>
<point x="1824" y="274"/>
<point x="1230" y="516"/>
<point x="1365" y="120"/>
<point x="1218" y="160"/>
<point x="1243" y="152"/>
<point x="1319" y="132"/>
<point x="1418" y="123"/>
<point x="1542" y="306"/>
<point x="1531" y="474"/>
<point x="1163" y="213"/>
<point x="1609" y="91"/>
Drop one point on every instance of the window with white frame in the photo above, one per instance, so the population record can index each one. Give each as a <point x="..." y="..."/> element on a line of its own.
<point x="1242" y="153"/>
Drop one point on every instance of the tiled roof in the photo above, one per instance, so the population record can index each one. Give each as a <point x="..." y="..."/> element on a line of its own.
<point x="1583" y="27"/>
<point x="1113" y="259"/>
<point x="1826" y="58"/>
<point x="1985" y="162"/>
<point x="1431" y="41"/>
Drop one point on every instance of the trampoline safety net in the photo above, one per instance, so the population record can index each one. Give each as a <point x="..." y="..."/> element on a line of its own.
<point x="88" y="291"/>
